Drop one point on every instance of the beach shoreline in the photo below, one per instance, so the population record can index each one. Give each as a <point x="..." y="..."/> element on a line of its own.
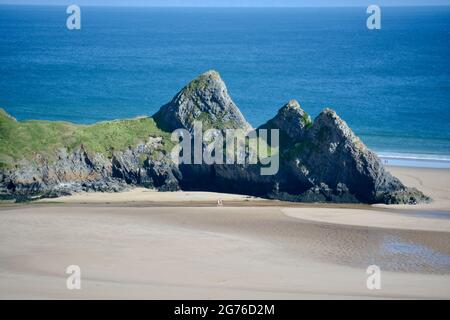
<point x="182" y="245"/>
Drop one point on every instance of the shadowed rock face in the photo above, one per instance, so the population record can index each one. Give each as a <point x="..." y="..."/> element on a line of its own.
<point x="325" y="161"/>
<point x="320" y="161"/>
<point x="204" y="99"/>
<point x="332" y="154"/>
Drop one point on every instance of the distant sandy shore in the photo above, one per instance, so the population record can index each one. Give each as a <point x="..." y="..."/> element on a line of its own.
<point x="182" y="245"/>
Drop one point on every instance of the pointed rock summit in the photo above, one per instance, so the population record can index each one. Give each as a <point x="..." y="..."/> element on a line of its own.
<point x="204" y="99"/>
<point x="292" y="120"/>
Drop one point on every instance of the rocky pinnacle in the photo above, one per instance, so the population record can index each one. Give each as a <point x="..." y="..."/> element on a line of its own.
<point x="204" y="99"/>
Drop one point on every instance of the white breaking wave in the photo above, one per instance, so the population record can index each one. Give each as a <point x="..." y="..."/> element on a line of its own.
<point x="415" y="160"/>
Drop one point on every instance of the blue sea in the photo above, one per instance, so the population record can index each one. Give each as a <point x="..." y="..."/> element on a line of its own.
<point x="392" y="86"/>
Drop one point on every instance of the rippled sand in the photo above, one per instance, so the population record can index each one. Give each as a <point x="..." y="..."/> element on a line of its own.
<point x="211" y="253"/>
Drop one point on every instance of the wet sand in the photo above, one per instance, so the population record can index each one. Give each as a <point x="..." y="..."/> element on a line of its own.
<point x="257" y="250"/>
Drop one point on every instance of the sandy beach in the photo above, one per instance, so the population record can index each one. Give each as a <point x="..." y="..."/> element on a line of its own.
<point x="181" y="245"/>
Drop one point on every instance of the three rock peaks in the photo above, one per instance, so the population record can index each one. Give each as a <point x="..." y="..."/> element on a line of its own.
<point x="320" y="160"/>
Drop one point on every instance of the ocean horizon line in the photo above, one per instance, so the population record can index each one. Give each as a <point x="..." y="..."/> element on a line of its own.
<point x="226" y="7"/>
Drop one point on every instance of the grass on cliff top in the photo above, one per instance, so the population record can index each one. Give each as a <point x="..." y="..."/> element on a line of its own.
<point x="25" y="139"/>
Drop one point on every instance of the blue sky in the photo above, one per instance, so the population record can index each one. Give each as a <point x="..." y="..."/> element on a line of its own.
<point x="227" y="3"/>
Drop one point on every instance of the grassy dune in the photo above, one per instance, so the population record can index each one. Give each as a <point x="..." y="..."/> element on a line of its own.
<point x="25" y="139"/>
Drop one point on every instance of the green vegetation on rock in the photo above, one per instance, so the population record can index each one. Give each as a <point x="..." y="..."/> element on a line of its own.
<point x="26" y="139"/>
<point x="201" y="82"/>
<point x="306" y="120"/>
